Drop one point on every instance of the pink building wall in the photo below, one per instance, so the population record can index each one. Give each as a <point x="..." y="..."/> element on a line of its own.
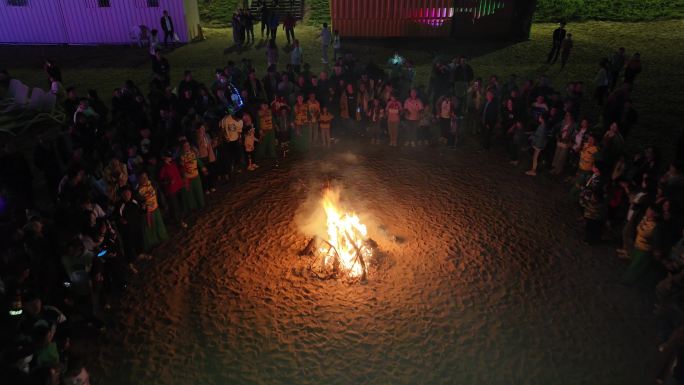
<point x="83" y="22"/>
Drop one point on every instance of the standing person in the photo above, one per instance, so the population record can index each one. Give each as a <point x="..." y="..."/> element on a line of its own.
<point x="231" y="131"/>
<point x="632" y="68"/>
<point x="237" y="26"/>
<point x="314" y="113"/>
<point x="424" y="127"/>
<point x="325" y="42"/>
<point x="190" y="168"/>
<point x="130" y="218"/>
<point x="273" y="23"/>
<point x="489" y="120"/>
<point x="564" y="139"/>
<point x="558" y="37"/>
<point x="154" y="229"/>
<point x="337" y="46"/>
<point x="539" y="140"/>
<point x="566" y="47"/>
<point x="170" y="179"/>
<point x="301" y="125"/>
<point x="283" y="125"/>
<point x="413" y="107"/>
<point x="393" y="113"/>
<point x="266" y="147"/>
<point x="205" y="152"/>
<point x="617" y="63"/>
<point x="602" y="83"/>
<point x="296" y="56"/>
<point x="376" y="114"/>
<point x="264" y="14"/>
<point x="272" y="53"/>
<point x="250" y="140"/>
<point x="288" y="26"/>
<point x="325" y="122"/>
<point x="445" y="110"/>
<point x="167" y="27"/>
<point x="248" y="21"/>
<point x="647" y="245"/>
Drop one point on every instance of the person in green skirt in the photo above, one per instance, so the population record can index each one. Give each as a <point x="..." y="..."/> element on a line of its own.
<point x="266" y="149"/>
<point x="302" y="135"/>
<point x="154" y="230"/>
<point x="647" y="246"/>
<point x="193" y="195"/>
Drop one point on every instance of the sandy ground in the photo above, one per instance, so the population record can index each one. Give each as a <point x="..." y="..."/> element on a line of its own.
<point x="488" y="284"/>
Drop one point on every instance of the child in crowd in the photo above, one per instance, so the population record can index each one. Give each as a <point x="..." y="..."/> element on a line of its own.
<point x="283" y="126"/>
<point x="325" y="122"/>
<point x="190" y="167"/>
<point x="154" y="231"/>
<point x="376" y="115"/>
<point x="427" y="120"/>
<point x="250" y="139"/>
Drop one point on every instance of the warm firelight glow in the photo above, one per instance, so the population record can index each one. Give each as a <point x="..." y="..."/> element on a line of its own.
<point x="347" y="236"/>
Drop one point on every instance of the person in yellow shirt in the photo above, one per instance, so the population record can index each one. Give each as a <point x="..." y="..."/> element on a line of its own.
<point x="190" y="168"/>
<point x="325" y="122"/>
<point x="314" y="111"/>
<point x="301" y="124"/>
<point x="154" y="231"/>
<point x="647" y="245"/>
<point x="266" y="148"/>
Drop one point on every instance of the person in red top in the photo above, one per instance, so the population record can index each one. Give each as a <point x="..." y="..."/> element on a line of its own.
<point x="173" y="184"/>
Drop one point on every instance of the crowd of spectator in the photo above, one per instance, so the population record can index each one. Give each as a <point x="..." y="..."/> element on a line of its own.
<point x="118" y="175"/>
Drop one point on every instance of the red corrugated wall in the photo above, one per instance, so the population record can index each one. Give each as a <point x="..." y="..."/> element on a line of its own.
<point x="376" y="18"/>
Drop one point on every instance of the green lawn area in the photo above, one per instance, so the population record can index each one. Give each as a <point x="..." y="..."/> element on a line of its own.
<point x="217" y="13"/>
<point x="614" y="10"/>
<point x="658" y="95"/>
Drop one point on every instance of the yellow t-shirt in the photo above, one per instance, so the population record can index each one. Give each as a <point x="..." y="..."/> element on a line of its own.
<point x="644" y="240"/>
<point x="188" y="161"/>
<point x="314" y="109"/>
<point x="265" y="120"/>
<point x="586" y="162"/>
<point x="325" y="120"/>
<point x="150" y="195"/>
<point x="301" y="111"/>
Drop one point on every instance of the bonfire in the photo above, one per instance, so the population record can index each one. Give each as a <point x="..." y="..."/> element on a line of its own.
<point x="346" y="248"/>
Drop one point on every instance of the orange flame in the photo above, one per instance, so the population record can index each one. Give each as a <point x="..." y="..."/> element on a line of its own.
<point x="347" y="235"/>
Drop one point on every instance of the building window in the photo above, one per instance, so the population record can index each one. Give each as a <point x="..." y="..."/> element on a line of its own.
<point x="17" y="3"/>
<point x="153" y="3"/>
<point x="103" y="3"/>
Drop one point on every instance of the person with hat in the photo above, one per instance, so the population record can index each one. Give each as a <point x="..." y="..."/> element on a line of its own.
<point x="171" y="181"/>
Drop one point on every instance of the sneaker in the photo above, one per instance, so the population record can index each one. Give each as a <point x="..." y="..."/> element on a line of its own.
<point x="531" y="173"/>
<point x="184" y="225"/>
<point x="255" y="165"/>
<point x="413" y="144"/>
<point x="212" y="189"/>
<point x="207" y="192"/>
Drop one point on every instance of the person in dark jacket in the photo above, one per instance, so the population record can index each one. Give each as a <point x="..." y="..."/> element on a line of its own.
<point x="167" y="27"/>
<point x="130" y="220"/>
<point x="558" y="37"/>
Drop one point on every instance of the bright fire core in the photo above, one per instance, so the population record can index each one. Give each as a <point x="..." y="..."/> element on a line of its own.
<point x="347" y="236"/>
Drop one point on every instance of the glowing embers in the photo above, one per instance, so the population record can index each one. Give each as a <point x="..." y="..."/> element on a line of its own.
<point x="347" y="250"/>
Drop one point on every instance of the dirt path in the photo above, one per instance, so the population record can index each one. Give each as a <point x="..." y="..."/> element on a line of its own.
<point x="489" y="285"/>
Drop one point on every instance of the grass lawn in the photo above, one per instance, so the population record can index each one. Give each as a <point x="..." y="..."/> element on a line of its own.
<point x="616" y="10"/>
<point x="658" y="95"/>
